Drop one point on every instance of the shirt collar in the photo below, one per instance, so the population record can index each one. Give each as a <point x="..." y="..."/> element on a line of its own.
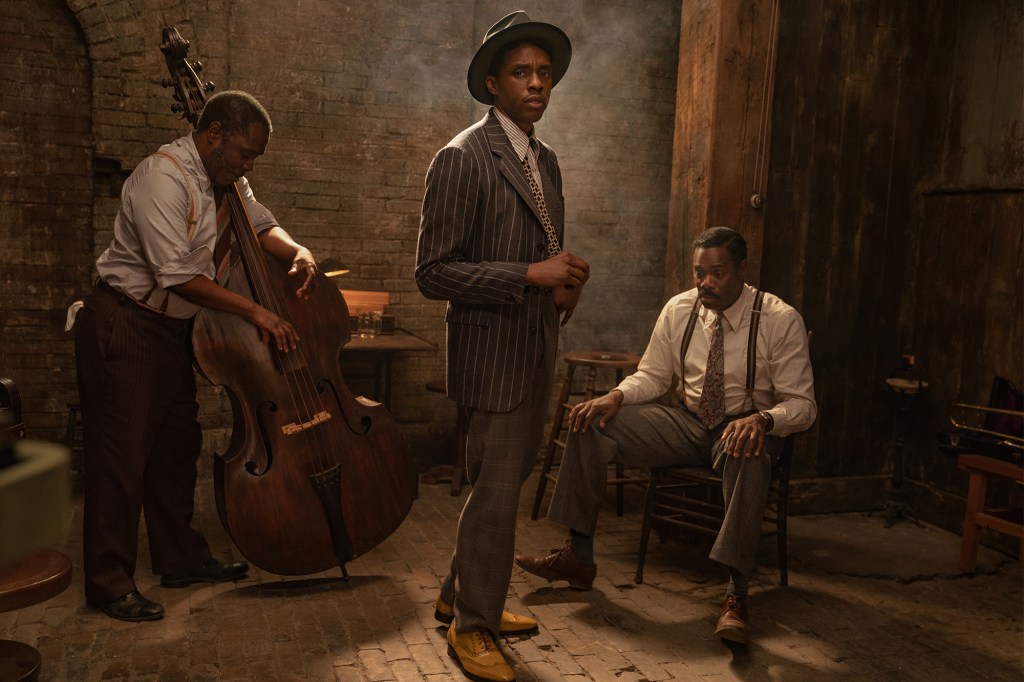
<point x="520" y="140"/>
<point x="188" y="148"/>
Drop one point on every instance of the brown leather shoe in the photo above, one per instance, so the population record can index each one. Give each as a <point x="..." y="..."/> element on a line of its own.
<point x="511" y="623"/>
<point x="562" y="565"/>
<point x="478" y="656"/>
<point x="734" y="623"/>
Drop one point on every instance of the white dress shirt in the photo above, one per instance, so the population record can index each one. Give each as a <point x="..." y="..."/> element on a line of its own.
<point x="153" y="247"/>
<point x="783" y="384"/>
<point x="525" y="146"/>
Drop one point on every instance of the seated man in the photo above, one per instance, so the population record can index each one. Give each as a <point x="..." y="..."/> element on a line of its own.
<point x="718" y="421"/>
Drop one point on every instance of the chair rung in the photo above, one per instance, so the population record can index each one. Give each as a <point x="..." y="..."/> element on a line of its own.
<point x="626" y="479"/>
<point x="684" y="524"/>
<point x="699" y="509"/>
<point x="690" y="498"/>
<point x="687" y="501"/>
<point x="695" y="479"/>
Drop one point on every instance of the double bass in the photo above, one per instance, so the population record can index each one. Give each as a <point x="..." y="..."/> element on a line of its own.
<point x="313" y="476"/>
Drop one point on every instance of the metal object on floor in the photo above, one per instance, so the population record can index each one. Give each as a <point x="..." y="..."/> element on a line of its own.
<point x="906" y="386"/>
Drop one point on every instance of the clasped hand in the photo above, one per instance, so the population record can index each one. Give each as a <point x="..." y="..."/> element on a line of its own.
<point x="744" y="437"/>
<point x="564" y="269"/>
<point x="565" y="274"/>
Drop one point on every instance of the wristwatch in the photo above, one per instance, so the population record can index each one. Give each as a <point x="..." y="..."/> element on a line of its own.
<point x="769" y="420"/>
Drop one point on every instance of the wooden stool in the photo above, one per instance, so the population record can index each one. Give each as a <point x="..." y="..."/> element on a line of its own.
<point x="456" y="472"/>
<point x="38" y="576"/>
<point x="1006" y="521"/>
<point x="593" y="361"/>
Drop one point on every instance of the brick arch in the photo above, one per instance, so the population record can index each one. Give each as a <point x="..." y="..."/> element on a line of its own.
<point x="45" y="202"/>
<point x="130" y="118"/>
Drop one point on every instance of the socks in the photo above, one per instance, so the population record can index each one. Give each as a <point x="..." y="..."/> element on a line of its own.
<point x="738" y="583"/>
<point x="582" y="546"/>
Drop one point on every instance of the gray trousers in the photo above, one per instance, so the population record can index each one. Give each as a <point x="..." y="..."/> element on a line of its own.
<point x="655" y="435"/>
<point x="501" y="450"/>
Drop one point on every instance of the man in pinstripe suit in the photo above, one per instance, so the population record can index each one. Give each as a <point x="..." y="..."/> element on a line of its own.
<point x="489" y="244"/>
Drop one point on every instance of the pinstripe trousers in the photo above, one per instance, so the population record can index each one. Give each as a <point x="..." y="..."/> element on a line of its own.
<point x="142" y="440"/>
<point x="501" y="451"/>
<point x="656" y="435"/>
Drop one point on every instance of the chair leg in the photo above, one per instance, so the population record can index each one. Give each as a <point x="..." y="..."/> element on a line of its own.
<point x="782" y="530"/>
<point x="549" y="449"/>
<point x="782" y="547"/>
<point x="620" y="489"/>
<point x="975" y="504"/>
<point x="645" y="526"/>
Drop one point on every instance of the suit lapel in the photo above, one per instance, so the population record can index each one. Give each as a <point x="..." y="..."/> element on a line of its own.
<point x="510" y="166"/>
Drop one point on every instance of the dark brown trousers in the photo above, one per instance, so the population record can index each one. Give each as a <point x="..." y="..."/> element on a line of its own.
<point x="142" y="440"/>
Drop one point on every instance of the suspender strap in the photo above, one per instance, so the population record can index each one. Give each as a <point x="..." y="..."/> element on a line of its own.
<point x="755" y="324"/>
<point x="688" y="333"/>
<point x="191" y="220"/>
<point x="190" y="226"/>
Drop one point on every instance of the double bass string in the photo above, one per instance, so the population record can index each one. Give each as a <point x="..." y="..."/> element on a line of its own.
<point x="294" y="365"/>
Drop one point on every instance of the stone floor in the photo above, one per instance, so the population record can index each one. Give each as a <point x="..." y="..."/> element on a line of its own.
<point x="864" y="602"/>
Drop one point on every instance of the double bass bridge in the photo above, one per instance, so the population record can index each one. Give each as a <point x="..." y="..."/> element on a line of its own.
<point x="293" y="428"/>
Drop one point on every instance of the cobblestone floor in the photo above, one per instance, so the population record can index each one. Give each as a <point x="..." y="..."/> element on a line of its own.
<point x="864" y="603"/>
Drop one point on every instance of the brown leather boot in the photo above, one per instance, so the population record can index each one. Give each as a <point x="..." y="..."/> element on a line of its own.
<point x="734" y="623"/>
<point x="561" y="565"/>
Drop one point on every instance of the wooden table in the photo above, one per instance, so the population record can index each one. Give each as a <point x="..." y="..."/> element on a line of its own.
<point x="381" y="349"/>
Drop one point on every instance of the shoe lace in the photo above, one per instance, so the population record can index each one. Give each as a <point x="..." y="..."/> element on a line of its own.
<point x="733" y="603"/>
<point x="484" y="643"/>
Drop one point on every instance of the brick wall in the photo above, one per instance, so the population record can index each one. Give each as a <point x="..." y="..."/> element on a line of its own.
<point x="46" y="191"/>
<point x="362" y="95"/>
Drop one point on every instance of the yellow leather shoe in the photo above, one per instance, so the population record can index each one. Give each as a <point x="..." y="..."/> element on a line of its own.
<point x="512" y="624"/>
<point x="478" y="656"/>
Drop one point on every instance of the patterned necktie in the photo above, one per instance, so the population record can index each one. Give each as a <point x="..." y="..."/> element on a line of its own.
<point x="538" y="196"/>
<point x="711" y="408"/>
<point x="222" y="251"/>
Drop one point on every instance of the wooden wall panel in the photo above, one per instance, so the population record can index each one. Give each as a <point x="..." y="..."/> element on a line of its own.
<point x="894" y="220"/>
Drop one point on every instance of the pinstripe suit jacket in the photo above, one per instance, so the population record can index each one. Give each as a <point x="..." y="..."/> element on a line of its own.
<point x="479" y="232"/>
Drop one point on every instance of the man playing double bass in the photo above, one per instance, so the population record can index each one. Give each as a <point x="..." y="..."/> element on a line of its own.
<point x="134" y="354"/>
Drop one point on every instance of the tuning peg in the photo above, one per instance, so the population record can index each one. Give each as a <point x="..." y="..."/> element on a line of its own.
<point x="177" y="108"/>
<point x="167" y="82"/>
<point x="208" y="86"/>
<point x="197" y="66"/>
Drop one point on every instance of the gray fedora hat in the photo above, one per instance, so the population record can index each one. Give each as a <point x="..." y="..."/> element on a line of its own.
<point x="512" y="29"/>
